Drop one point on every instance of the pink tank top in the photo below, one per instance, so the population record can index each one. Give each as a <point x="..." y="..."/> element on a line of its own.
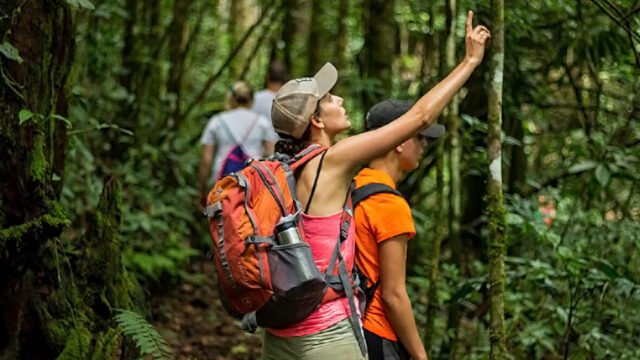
<point x="322" y="232"/>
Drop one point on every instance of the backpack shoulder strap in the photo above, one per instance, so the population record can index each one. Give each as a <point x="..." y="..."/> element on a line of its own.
<point x="253" y="124"/>
<point x="226" y="129"/>
<point x="365" y="191"/>
<point x="305" y="155"/>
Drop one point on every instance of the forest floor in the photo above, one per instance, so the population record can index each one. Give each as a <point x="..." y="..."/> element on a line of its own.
<point x="191" y="318"/>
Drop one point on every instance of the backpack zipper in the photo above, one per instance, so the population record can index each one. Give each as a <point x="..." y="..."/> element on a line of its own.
<point x="242" y="181"/>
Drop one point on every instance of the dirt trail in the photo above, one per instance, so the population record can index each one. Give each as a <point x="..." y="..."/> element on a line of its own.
<point x="192" y="320"/>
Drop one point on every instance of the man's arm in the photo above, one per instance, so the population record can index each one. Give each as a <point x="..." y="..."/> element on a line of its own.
<point x="204" y="172"/>
<point x="393" y="259"/>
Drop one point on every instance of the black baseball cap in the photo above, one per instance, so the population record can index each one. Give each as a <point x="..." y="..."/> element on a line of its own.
<point x="386" y="111"/>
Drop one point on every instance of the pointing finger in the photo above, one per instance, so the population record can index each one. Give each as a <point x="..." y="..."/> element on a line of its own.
<point x="469" y="22"/>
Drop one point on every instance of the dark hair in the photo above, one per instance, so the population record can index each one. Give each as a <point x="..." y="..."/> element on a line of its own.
<point x="288" y="145"/>
<point x="277" y="72"/>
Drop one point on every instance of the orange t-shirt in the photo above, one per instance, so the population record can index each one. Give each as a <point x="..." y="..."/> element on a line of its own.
<point x="378" y="218"/>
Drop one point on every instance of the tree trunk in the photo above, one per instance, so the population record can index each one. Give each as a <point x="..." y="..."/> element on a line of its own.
<point x="341" y="48"/>
<point x="379" y="49"/>
<point x="455" y="155"/>
<point x="517" y="157"/>
<point x="177" y="48"/>
<point x="241" y="16"/>
<point x="495" y="201"/>
<point x="316" y="37"/>
<point x="434" y="275"/>
<point x="297" y="23"/>
<point x="46" y="311"/>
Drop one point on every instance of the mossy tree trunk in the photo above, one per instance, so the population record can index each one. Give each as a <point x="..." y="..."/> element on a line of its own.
<point x="434" y="253"/>
<point x="430" y="71"/>
<point x="455" y="154"/>
<point x="56" y="298"/>
<point x="495" y="201"/>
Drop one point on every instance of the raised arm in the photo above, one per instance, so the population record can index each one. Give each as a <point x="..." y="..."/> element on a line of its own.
<point x="358" y="150"/>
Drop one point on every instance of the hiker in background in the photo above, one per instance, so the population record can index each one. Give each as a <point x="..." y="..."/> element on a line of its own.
<point x="276" y="76"/>
<point x="304" y="113"/>
<point x="381" y="245"/>
<point x="232" y="137"/>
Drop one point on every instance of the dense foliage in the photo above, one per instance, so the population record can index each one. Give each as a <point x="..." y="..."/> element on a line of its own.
<point x="148" y="74"/>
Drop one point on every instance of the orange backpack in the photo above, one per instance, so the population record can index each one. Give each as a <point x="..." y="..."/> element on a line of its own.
<point x="261" y="281"/>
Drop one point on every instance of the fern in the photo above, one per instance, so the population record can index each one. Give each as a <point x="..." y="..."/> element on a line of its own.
<point x="143" y="334"/>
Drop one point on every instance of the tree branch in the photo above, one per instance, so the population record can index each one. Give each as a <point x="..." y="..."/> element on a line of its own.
<point x="205" y="90"/>
<point x="616" y="20"/>
<point x="270" y="27"/>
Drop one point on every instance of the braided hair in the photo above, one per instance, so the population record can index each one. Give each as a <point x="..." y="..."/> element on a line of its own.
<point x="289" y="146"/>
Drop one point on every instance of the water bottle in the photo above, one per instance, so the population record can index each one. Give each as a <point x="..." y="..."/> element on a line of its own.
<point x="287" y="231"/>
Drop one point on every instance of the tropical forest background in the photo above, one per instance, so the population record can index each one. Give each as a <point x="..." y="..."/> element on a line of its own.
<point x="102" y="103"/>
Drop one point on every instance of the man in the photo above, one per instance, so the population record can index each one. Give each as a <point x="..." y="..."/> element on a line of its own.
<point x="276" y="76"/>
<point x="384" y="226"/>
<point x="233" y="136"/>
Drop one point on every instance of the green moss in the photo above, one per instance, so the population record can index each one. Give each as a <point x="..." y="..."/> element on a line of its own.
<point x="36" y="225"/>
<point x="107" y="345"/>
<point x="38" y="163"/>
<point x="77" y="345"/>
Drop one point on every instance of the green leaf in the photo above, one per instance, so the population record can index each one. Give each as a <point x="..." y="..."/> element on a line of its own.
<point x="10" y="52"/>
<point x="79" y="4"/>
<point x="583" y="166"/>
<point x="603" y="175"/>
<point x="63" y="119"/>
<point x="24" y="115"/>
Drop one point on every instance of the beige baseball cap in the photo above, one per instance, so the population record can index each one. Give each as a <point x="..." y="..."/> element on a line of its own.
<point x="297" y="101"/>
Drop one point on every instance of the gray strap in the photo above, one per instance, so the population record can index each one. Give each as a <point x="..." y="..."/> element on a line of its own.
<point x="226" y="129"/>
<point x="260" y="240"/>
<point x="213" y="210"/>
<point x="353" y="319"/>
<point x="249" y="322"/>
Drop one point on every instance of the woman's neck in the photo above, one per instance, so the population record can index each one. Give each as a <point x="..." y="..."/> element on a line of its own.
<point x="321" y="138"/>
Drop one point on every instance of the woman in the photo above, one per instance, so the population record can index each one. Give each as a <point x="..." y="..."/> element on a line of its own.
<point x="232" y="136"/>
<point x="304" y="112"/>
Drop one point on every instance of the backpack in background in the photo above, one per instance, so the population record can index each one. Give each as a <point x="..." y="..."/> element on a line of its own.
<point x="236" y="159"/>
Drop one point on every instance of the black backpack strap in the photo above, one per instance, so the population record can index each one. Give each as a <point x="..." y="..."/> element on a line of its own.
<point x="367" y="286"/>
<point x="315" y="183"/>
<point x="365" y="191"/>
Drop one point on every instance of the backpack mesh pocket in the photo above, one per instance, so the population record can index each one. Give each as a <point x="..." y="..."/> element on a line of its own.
<point x="294" y="274"/>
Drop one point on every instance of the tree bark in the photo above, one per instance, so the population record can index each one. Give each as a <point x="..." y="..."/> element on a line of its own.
<point x="379" y="49"/>
<point x="55" y="297"/>
<point x="177" y="48"/>
<point x="434" y="274"/>
<point x="495" y="201"/>
<point x="241" y="16"/>
<point x="316" y="37"/>
<point x="455" y="154"/>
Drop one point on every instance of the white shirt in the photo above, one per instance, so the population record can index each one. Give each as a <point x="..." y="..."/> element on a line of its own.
<point x="243" y="124"/>
<point x="262" y="102"/>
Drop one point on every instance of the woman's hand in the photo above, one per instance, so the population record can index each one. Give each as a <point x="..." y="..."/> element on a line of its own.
<point x="475" y="40"/>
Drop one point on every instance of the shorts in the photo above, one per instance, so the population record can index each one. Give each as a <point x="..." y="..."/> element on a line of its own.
<point x="384" y="349"/>
<point x="334" y="343"/>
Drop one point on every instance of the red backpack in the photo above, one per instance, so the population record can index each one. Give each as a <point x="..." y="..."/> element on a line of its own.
<point x="262" y="281"/>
